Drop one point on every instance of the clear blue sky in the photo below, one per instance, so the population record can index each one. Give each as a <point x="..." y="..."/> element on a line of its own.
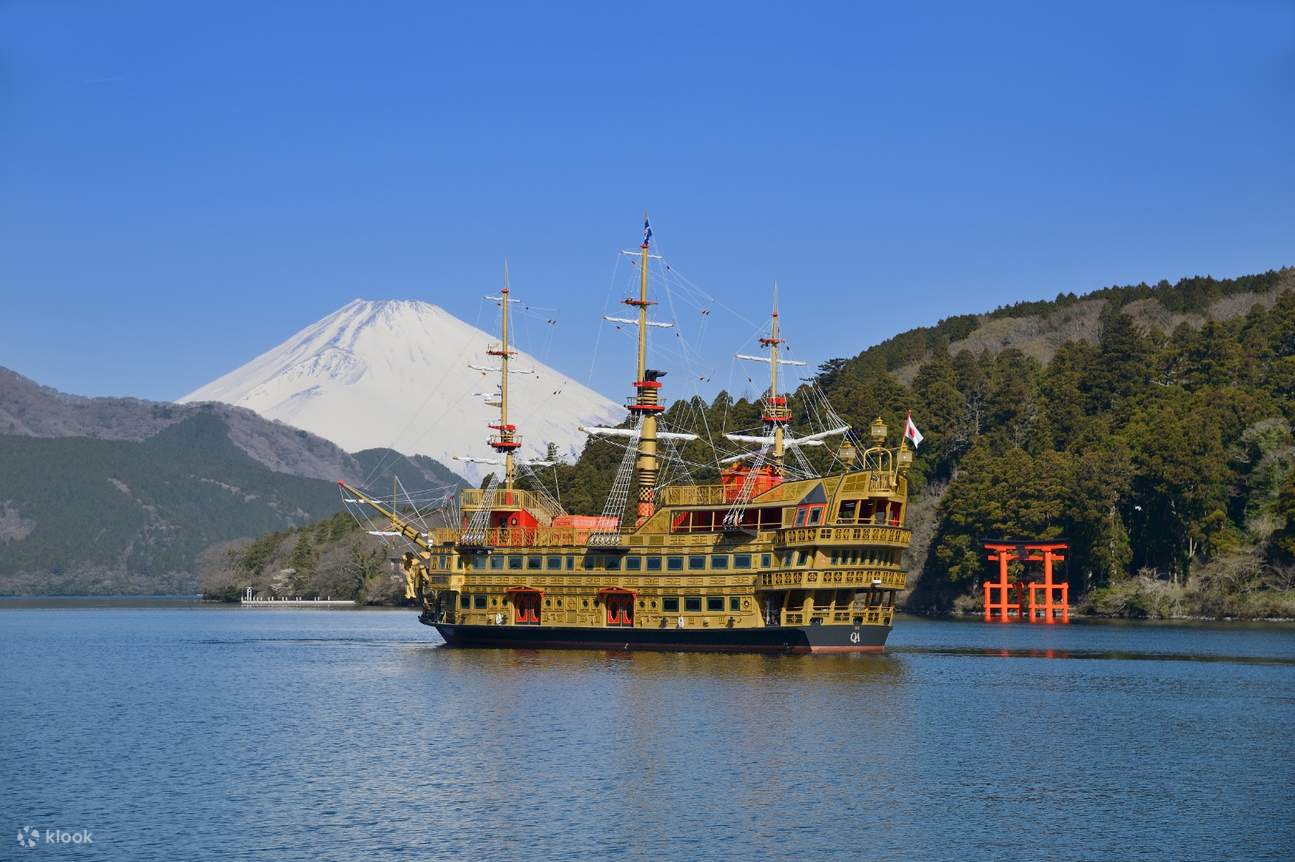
<point x="185" y="184"/>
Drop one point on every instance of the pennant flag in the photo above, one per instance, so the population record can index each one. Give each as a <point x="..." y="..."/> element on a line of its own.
<point x="647" y="232"/>
<point x="911" y="432"/>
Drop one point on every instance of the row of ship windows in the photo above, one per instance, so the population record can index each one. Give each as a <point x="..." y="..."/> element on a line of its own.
<point x="870" y="557"/>
<point x="669" y="604"/>
<point x="616" y="563"/>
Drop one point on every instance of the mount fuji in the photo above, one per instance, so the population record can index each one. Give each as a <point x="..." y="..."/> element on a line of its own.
<point x="394" y="374"/>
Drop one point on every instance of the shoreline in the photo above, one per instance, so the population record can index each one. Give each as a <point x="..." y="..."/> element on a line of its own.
<point x="198" y="599"/>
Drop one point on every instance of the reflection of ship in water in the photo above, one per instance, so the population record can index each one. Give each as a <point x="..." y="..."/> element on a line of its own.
<point x="787" y="553"/>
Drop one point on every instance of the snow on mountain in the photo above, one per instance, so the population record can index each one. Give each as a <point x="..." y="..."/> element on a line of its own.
<point x="393" y="373"/>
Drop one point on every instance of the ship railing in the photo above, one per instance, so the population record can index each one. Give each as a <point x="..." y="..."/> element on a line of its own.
<point x="870" y="482"/>
<point x="512" y="537"/>
<point x="871" y="534"/>
<point x="472" y="499"/>
<point x="692" y="495"/>
<point x="871" y="616"/>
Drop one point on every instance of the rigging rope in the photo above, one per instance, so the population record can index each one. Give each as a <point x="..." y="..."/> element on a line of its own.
<point x="618" y="495"/>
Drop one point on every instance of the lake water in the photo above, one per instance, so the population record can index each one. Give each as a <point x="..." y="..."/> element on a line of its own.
<point x="190" y="732"/>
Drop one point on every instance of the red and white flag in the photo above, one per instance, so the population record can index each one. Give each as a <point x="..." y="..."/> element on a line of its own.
<point x="911" y="432"/>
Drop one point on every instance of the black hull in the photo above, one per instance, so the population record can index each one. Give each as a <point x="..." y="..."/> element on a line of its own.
<point x="772" y="639"/>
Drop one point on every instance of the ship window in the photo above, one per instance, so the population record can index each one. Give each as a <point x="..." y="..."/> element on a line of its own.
<point x="802" y="558"/>
<point x="674" y="564"/>
<point x="800" y="517"/>
<point x="533" y="563"/>
<point x="633" y="564"/>
<point x="696" y="563"/>
<point x="735" y="603"/>
<point x="849" y="509"/>
<point x="742" y="561"/>
<point x="766" y="561"/>
<point x="464" y="600"/>
<point x="815" y="516"/>
<point x="692" y="603"/>
<point x="559" y="603"/>
<point x="592" y="562"/>
<point x="571" y="564"/>
<point x="613" y="563"/>
<point x="479" y="602"/>
<point x="654" y="564"/>
<point x="719" y="561"/>
<point x="835" y="557"/>
<point x="555" y="563"/>
<point x="670" y="604"/>
<point x="496" y="562"/>
<point x="514" y="562"/>
<point x="715" y="603"/>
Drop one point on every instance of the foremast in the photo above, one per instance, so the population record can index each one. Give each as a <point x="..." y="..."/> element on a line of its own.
<point x="505" y="440"/>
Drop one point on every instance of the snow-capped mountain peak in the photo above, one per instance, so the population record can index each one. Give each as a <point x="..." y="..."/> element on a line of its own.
<point x="394" y="373"/>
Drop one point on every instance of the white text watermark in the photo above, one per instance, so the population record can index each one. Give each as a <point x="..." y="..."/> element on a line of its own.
<point x="32" y="836"/>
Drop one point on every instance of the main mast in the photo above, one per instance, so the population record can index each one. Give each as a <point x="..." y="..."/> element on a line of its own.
<point x="506" y="441"/>
<point x="646" y="404"/>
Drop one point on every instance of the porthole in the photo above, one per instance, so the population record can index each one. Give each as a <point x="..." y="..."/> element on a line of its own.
<point x="654" y="604"/>
<point x="494" y="603"/>
<point x="584" y="603"/>
<point x="559" y="603"/>
<point x="548" y="603"/>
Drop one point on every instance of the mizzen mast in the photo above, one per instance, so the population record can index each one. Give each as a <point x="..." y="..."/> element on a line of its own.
<point x="776" y="413"/>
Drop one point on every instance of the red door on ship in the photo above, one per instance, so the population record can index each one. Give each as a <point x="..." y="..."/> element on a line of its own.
<point x="526" y="607"/>
<point x="620" y="608"/>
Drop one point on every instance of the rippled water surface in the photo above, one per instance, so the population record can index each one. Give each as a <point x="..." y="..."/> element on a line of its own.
<point x="187" y="732"/>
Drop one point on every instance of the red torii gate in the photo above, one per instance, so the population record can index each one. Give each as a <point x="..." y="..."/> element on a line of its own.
<point x="1049" y="596"/>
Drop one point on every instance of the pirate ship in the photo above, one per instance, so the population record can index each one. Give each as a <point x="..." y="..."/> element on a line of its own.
<point x="769" y="559"/>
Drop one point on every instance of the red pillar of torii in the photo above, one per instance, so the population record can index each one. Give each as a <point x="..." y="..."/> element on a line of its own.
<point x="1056" y="597"/>
<point x="1051" y="597"/>
<point x="1002" y="588"/>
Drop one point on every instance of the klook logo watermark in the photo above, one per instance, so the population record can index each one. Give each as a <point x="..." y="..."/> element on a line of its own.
<point x="30" y="836"/>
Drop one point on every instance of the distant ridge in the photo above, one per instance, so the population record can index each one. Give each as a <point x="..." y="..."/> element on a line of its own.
<point x="393" y="373"/>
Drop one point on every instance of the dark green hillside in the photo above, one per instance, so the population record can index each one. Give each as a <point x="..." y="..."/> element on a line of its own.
<point x="415" y="472"/>
<point x="1165" y="455"/>
<point x="90" y="516"/>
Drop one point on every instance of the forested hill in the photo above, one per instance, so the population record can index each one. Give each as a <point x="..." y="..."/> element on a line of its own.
<point x="1149" y="424"/>
<point x="118" y="495"/>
